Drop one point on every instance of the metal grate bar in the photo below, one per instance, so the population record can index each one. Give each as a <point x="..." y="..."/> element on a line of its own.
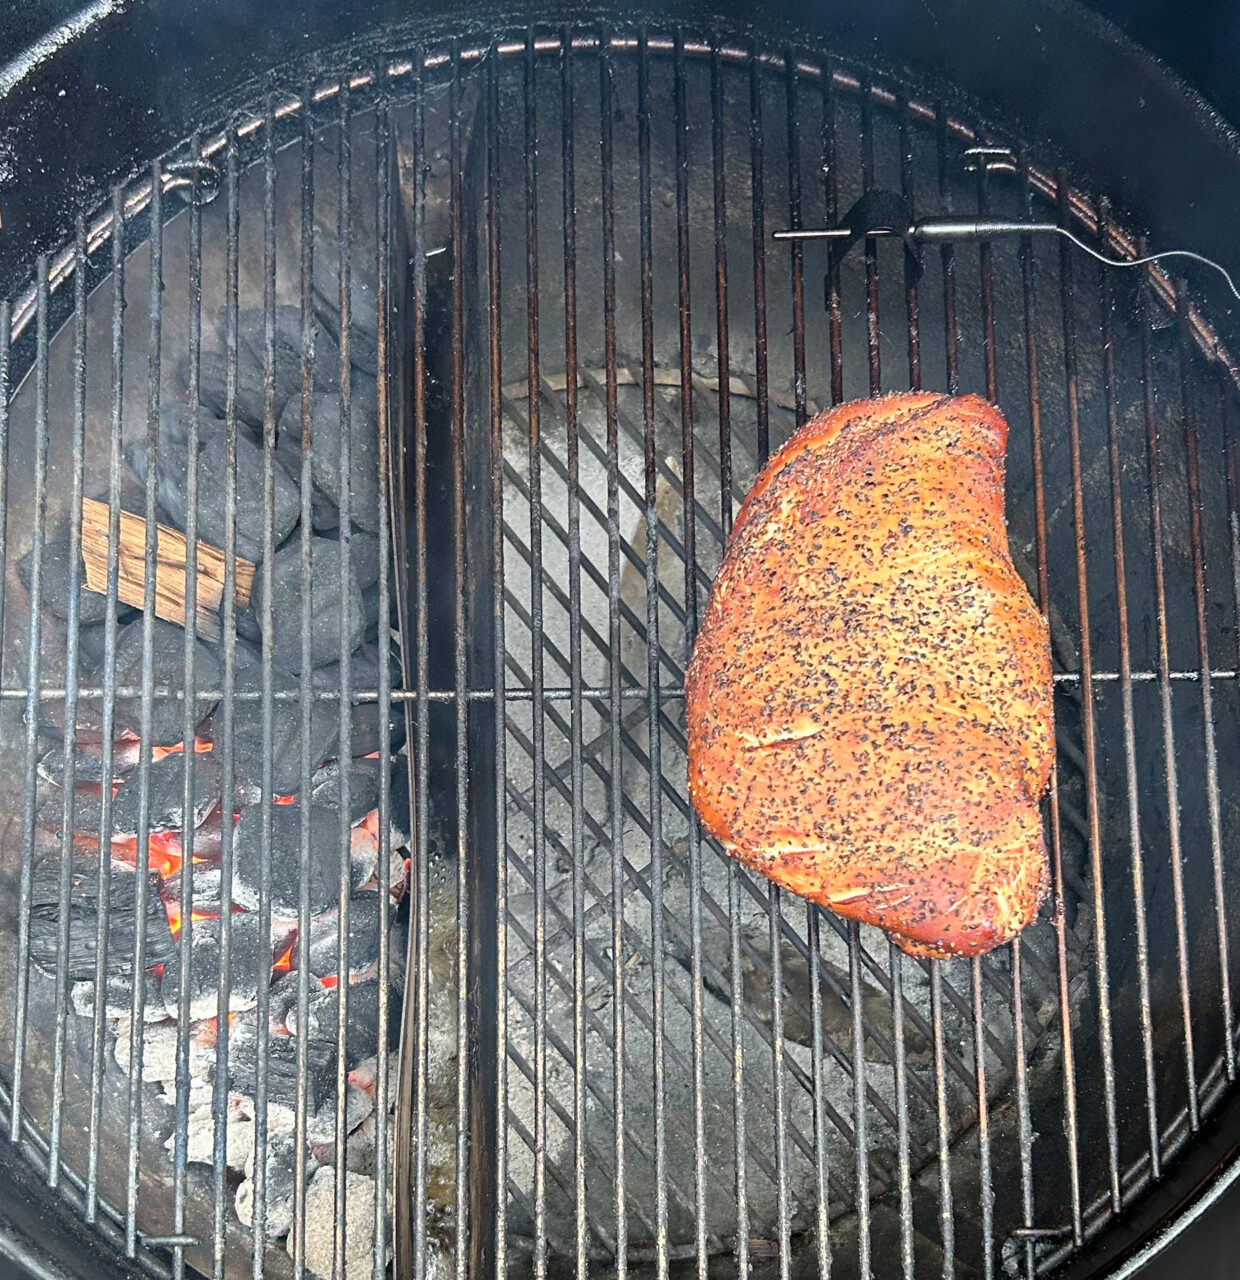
<point x="219" y="1100"/>
<point x="652" y="650"/>
<point x="978" y="967"/>
<point x="1207" y="697"/>
<point x="576" y="768"/>
<point x="1153" y="462"/>
<point x="420" y="921"/>
<point x="492" y="209"/>
<point x="305" y="479"/>
<point x="536" y="683"/>
<point x="1130" y="749"/>
<point x="616" y="792"/>
<point x="32" y="682"/>
<point x="188" y="721"/>
<point x="1044" y="597"/>
<point x="266" y="785"/>
<point x="1102" y="968"/>
<point x="688" y="517"/>
<point x="99" y="1024"/>
<point x="71" y="682"/>
<point x="383" y="266"/>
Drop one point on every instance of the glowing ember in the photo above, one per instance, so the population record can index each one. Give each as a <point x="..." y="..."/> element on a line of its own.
<point x="200" y="745"/>
<point x="285" y="962"/>
<point x="173" y="908"/>
<point x="332" y="980"/>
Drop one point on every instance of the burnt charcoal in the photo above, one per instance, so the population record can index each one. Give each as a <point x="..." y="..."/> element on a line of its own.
<point x="54" y="583"/>
<point x="285" y="727"/>
<point x="87" y="810"/>
<point x="364" y="505"/>
<point x="280" y="1164"/>
<point x="118" y="998"/>
<point x="323" y="870"/>
<point x="167" y="669"/>
<point x="247" y="623"/>
<point x="361" y="1018"/>
<point x="282" y="1067"/>
<point x="166" y="794"/>
<point x="363" y="787"/>
<point x="371" y="612"/>
<point x="172" y="466"/>
<point x="321" y="1130"/>
<point x="247" y="953"/>
<point x="363" y="940"/>
<point x="88" y="763"/>
<point x="326" y="594"/>
<point x="84" y="921"/>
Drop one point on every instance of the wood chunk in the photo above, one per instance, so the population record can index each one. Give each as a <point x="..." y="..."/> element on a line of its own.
<point x="171" y="574"/>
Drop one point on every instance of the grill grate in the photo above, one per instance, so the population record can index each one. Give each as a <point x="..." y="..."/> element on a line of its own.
<point x="628" y="1054"/>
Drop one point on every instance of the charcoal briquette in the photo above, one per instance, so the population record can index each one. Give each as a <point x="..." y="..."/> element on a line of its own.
<point x="365" y="508"/>
<point x="361" y="1019"/>
<point x="247" y="952"/>
<point x="168" y="670"/>
<point x="249" y="508"/>
<point x="166" y="794"/>
<point x="327" y="591"/>
<point x="363" y="950"/>
<point x="282" y="1065"/>
<point x="286" y="717"/>
<point x="88" y="764"/>
<point x="84" y="920"/>
<point x="366" y="720"/>
<point x="284" y="852"/>
<point x="54" y="584"/>
<point x="363" y="786"/>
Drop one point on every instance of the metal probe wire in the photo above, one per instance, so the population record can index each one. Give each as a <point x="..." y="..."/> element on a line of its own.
<point x="940" y="230"/>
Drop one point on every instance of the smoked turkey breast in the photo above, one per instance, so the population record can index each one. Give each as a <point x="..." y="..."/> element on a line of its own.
<point x="869" y="698"/>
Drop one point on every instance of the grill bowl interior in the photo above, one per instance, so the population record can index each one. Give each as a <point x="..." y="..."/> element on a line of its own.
<point x="1088" y="368"/>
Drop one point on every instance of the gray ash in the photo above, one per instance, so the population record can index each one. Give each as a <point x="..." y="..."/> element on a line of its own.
<point x="84" y="906"/>
<point x="166" y="794"/>
<point x="167" y="669"/>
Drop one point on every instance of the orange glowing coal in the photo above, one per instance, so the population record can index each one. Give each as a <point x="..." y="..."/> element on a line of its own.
<point x="173" y="909"/>
<point x="285" y="962"/>
<point x="332" y="980"/>
<point x="200" y="745"/>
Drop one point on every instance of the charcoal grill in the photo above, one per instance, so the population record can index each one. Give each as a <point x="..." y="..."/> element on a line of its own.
<point x="550" y="243"/>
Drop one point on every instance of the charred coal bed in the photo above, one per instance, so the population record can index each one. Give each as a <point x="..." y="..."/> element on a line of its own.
<point x="200" y="885"/>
